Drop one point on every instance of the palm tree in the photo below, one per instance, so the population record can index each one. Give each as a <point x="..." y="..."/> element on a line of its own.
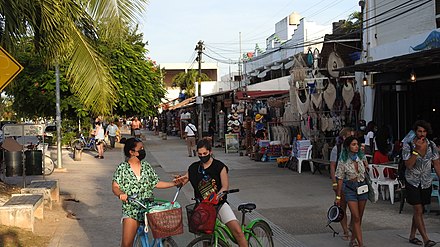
<point x="186" y="80"/>
<point x="64" y="30"/>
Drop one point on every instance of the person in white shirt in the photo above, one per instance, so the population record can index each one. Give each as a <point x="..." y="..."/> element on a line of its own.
<point x="99" y="136"/>
<point x="190" y="135"/>
<point x="111" y="132"/>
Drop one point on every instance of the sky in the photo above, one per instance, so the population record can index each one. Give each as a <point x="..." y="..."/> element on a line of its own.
<point x="173" y="27"/>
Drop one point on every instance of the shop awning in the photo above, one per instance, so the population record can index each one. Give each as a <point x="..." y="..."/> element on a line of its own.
<point x="184" y="103"/>
<point x="259" y="94"/>
<point x="398" y="63"/>
<point x="263" y="74"/>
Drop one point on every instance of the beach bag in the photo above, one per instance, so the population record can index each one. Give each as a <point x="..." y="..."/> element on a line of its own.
<point x="201" y="217"/>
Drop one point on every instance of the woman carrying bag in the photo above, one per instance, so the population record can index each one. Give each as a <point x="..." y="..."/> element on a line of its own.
<point x="352" y="166"/>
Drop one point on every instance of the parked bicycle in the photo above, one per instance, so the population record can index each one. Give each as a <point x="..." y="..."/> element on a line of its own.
<point x="168" y="216"/>
<point x="257" y="232"/>
<point x="82" y="143"/>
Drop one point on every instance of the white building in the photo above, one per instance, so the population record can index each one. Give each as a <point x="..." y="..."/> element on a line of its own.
<point x="293" y="35"/>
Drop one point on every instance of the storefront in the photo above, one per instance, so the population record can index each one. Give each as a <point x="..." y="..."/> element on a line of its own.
<point x="400" y="100"/>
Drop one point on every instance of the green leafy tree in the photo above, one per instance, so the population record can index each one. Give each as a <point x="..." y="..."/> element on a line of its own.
<point x="353" y="22"/>
<point x="33" y="91"/>
<point x="186" y="81"/>
<point x="138" y="78"/>
<point x="64" y="31"/>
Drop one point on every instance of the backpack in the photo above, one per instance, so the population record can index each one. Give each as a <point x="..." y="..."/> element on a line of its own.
<point x="402" y="167"/>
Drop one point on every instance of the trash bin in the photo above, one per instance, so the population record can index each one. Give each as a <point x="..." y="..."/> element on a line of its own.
<point x="34" y="162"/>
<point x="14" y="163"/>
<point x="77" y="152"/>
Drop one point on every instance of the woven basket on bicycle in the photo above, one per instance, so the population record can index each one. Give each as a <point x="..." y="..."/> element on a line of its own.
<point x="166" y="223"/>
<point x="202" y="219"/>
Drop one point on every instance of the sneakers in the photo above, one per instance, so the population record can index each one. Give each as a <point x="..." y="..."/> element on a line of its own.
<point x="101" y="157"/>
<point x="97" y="156"/>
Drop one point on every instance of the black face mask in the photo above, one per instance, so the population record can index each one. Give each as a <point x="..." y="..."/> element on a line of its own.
<point x="97" y="123"/>
<point x="204" y="159"/>
<point x="142" y="154"/>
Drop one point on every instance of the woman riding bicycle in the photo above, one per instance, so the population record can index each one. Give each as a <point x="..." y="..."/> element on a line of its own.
<point x="134" y="176"/>
<point x="210" y="175"/>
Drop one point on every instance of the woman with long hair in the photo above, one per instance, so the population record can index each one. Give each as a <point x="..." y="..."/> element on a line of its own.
<point x="350" y="172"/>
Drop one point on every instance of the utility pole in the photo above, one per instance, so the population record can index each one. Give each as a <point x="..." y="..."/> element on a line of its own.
<point x="58" y="115"/>
<point x="239" y="61"/>
<point x="199" y="100"/>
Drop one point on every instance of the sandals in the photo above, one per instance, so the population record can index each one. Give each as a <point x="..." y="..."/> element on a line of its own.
<point x="430" y="243"/>
<point x="346" y="237"/>
<point x="353" y="243"/>
<point x="415" y="241"/>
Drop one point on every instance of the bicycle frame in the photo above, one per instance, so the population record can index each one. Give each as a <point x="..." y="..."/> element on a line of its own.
<point x="224" y="233"/>
<point x="145" y="241"/>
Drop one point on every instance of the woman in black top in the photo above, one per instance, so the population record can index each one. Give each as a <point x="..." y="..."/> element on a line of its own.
<point x="210" y="175"/>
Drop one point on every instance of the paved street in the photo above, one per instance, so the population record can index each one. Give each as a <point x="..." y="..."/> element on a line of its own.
<point x="295" y="204"/>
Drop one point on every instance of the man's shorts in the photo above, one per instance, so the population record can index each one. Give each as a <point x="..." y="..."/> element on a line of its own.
<point x="417" y="195"/>
<point x="225" y="214"/>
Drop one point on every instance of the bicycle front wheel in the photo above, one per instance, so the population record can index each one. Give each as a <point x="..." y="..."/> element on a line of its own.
<point x="169" y="242"/>
<point x="207" y="240"/>
<point x="262" y="235"/>
<point x="49" y="165"/>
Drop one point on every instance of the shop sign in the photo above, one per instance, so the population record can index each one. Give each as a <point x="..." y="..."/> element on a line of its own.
<point x="232" y="143"/>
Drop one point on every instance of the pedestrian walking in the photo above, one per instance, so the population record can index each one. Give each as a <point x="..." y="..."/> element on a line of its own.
<point x="136" y="127"/>
<point x="352" y="165"/>
<point x="190" y="135"/>
<point x="419" y="154"/>
<point x="210" y="175"/>
<point x="134" y="176"/>
<point x="99" y="134"/>
<point x="112" y="131"/>
<point x="334" y="156"/>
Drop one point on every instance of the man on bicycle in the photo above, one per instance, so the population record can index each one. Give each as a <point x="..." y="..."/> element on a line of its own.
<point x="210" y="175"/>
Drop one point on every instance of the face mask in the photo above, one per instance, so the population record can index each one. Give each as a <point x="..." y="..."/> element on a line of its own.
<point x="142" y="154"/>
<point x="205" y="159"/>
<point x="97" y="123"/>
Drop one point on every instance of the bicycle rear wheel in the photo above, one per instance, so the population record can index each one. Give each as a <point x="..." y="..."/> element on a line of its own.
<point x="262" y="235"/>
<point x="169" y="242"/>
<point x="207" y="240"/>
<point x="49" y="165"/>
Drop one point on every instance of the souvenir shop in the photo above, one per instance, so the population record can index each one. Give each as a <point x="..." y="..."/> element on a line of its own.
<point x="316" y="109"/>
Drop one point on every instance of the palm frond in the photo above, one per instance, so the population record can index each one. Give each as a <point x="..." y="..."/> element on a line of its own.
<point x="115" y="14"/>
<point x="90" y="76"/>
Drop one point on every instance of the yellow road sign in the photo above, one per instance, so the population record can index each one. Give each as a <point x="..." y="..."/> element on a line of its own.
<point x="9" y="68"/>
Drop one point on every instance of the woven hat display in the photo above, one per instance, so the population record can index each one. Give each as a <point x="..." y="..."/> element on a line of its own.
<point x="348" y="93"/>
<point x="258" y="117"/>
<point x="330" y="95"/>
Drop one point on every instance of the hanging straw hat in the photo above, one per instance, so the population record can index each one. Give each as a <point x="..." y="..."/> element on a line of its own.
<point x="347" y="93"/>
<point x="330" y="95"/>
<point x="258" y="117"/>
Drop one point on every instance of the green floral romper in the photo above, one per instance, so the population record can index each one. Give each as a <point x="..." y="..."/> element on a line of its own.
<point x="129" y="184"/>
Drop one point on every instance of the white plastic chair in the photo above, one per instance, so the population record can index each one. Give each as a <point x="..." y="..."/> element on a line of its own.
<point x="373" y="182"/>
<point x="434" y="193"/>
<point x="308" y="157"/>
<point x="383" y="181"/>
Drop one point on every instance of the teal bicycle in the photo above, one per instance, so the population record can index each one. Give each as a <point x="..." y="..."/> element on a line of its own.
<point x="172" y="216"/>
<point x="257" y="232"/>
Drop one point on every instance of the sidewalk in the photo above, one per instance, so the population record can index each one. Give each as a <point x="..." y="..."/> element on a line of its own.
<point x="294" y="204"/>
